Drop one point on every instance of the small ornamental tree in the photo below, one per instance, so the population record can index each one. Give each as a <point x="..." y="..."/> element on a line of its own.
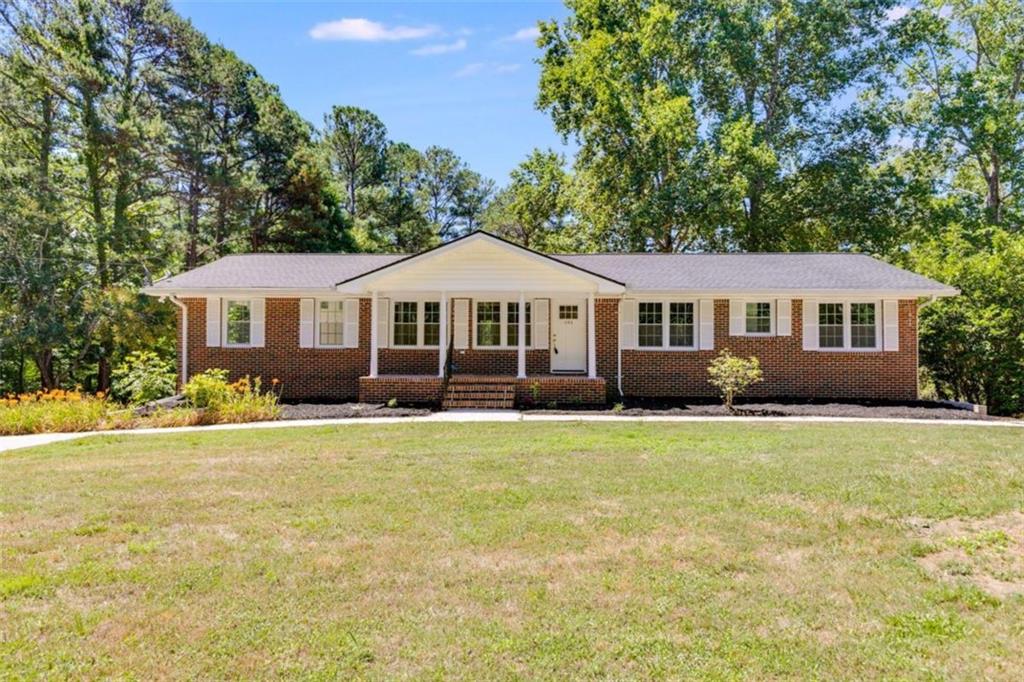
<point x="732" y="375"/>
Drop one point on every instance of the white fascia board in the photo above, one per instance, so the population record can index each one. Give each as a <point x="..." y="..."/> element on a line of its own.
<point x="902" y="294"/>
<point x="251" y="292"/>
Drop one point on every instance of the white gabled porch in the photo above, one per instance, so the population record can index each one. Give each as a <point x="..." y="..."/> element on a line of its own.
<point x="482" y="307"/>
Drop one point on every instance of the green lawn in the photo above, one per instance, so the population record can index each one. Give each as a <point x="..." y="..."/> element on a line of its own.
<point x="516" y="551"/>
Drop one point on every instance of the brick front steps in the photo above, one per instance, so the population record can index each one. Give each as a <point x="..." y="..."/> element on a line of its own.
<point x="495" y="391"/>
<point x="480" y="392"/>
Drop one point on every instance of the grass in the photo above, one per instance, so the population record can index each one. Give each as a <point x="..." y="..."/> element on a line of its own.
<point x="506" y="551"/>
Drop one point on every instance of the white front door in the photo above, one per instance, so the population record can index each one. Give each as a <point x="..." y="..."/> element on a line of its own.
<point x="569" y="335"/>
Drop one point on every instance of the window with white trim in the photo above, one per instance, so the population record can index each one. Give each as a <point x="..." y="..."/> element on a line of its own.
<point x="848" y="325"/>
<point x="649" y="322"/>
<point x="488" y="323"/>
<point x="512" y="324"/>
<point x="416" y="324"/>
<point x="863" y="325"/>
<point x="758" y="317"/>
<point x="431" y="323"/>
<point x="406" y="326"/>
<point x="667" y="324"/>
<point x="830" y="325"/>
<point x="331" y="324"/>
<point x="238" y="323"/>
<point x="680" y="324"/>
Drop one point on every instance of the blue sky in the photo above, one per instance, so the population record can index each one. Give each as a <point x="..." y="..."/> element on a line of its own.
<point x="456" y="74"/>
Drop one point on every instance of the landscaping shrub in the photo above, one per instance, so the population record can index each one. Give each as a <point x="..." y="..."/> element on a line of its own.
<point x="732" y="375"/>
<point x="55" y="411"/>
<point x="224" y="403"/>
<point x="212" y="401"/>
<point x="208" y="389"/>
<point x="144" y="376"/>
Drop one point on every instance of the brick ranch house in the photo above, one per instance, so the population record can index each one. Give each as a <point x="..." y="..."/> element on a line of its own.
<point x="448" y="324"/>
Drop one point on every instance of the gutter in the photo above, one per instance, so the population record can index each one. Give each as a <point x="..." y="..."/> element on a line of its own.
<point x="184" y="337"/>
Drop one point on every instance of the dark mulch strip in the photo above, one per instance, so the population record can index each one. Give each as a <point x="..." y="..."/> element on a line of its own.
<point x="915" y="411"/>
<point x="347" y="411"/>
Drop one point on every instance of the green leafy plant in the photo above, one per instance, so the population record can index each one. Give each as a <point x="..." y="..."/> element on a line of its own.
<point x="732" y="376"/>
<point x="617" y="408"/>
<point x="55" y="411"/>
<point x="238" y="402"/>
<point x="142" y="377"/>
<point x="208" y="389"/>
<point x="392" y="402"/>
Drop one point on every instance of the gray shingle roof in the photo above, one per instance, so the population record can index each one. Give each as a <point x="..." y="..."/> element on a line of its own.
<point x="639" y="272"/>
<point x="753" y="271"/>
<point x="277" y="271"/>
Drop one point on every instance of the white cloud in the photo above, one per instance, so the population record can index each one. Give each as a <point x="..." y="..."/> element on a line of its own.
<point x="443" y="48"/>
<point x="530" y="33"/>
<point x="485" y="68"/>
<point x="896" y="13"/>
<point x="364" y="30"/>
<point x="470" y="70"/>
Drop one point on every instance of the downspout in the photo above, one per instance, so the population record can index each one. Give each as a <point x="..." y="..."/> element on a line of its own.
<point x="618" y="349"/>
<point x="184" y="337"/>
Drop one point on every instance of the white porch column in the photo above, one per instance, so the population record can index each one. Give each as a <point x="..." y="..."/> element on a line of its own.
<point x="521" y="336"/>
<point x="373" y="333"/>
<point x="591" y="338"/>
<point x="442" y="336"/>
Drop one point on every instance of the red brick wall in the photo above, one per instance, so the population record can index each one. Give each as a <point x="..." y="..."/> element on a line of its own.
<point x="789" y="371"/>
<point x="564" y="390"/>
<point x="305" y="373"/>
<point x="312" y="373"/>
<point x="404" y="389"/>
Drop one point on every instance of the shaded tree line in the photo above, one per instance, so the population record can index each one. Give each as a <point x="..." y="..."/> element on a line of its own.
<point x="785" y="125"/>
<point x="131" y="147"/>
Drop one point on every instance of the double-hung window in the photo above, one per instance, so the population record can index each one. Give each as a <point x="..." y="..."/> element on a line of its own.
<point x="331" y="324"/>
<point x="649" y="323"/>
<point x="416" y="324"/>
<point x="238" y="323"/>
<point x="680" y="325"/>
<point x="758" y="318"/>
<point x="863" y="327"/>
<point x="848" y="326"/>
<point x="431" y="323"/>
<point x="406" y="323"/>
<point x="488" y="323"/>
<point x="662" y="324"/>
<point x="512" y="324"/>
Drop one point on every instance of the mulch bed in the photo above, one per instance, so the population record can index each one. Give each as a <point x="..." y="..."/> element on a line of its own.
<point x="909" y="411"/>
<point x="919" y="410"/>
<point x="347" y="411"/>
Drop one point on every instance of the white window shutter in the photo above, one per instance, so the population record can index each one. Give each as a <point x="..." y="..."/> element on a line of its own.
<point x="707" y="324"/>
<point x="307" y="311"/>
<point x="810" y="322"/>
<point x="383" y="322"/>
<point x="627" y="323"/>
<point x="258" y="323"/>
<point x="351" y="334"/>
<point x="460" y="311"/>
<point x="783" y="317"/>
<point x="891" y="317"/>
<point x="212" y="322"/>
<point x="737" y="317"/>
<point x="540" y="316"/>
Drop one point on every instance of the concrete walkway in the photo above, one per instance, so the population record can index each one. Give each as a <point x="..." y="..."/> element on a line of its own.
<point x="482" y="416"/>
